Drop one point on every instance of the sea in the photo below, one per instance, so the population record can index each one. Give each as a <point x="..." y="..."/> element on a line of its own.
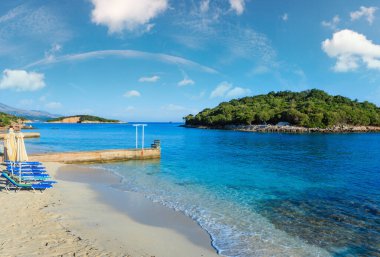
<point x="256" y="194"/>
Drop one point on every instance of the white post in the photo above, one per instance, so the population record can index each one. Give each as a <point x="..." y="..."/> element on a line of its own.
<point x="143" y="135"/>
<point x="142" y="140"/>
<point x="136" y="137"/>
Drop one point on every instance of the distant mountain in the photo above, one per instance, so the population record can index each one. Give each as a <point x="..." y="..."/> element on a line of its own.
<point x="30" y="115"/>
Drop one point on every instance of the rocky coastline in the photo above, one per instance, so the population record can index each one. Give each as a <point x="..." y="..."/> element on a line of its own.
<point x="291" y="129"/>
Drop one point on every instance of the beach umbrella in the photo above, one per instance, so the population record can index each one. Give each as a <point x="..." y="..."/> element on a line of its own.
<point x="10" y="146"/>
<point x="6" y="147"/>
<point x="21" y="155"/>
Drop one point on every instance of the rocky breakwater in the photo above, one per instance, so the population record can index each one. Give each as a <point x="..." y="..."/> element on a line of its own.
<point x="293" y="129"/>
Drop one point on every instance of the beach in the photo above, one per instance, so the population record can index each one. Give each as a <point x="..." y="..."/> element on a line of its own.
<point x="84" y="216"/>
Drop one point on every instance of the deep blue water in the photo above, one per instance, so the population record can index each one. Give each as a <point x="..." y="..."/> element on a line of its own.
<point x="256" y="194"/>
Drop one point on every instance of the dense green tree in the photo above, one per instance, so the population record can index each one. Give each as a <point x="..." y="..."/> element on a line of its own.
<point x="6" y="119"/>
<point x="311" y="108"/>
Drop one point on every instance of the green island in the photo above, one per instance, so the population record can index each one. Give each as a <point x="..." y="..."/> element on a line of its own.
<point x="7" y="119"/>
<point x="82" y="119"/>
<point x="307" y="109"/>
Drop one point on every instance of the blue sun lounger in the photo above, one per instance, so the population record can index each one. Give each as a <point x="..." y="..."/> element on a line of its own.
<point x="28" y="172"/>
<point x="27" y="163"/>
<point x="26" y="167"/>
<point x="32" y="176"/>
<point x="11" y="184"/>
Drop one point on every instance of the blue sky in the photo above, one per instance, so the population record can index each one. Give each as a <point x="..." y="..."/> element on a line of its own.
<point x="158" y="60"/>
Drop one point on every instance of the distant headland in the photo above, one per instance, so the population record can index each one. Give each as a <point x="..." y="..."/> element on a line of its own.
<point x="82" y="119"/>
<point x="295" y="112"/>
<point x="7" y="120"/>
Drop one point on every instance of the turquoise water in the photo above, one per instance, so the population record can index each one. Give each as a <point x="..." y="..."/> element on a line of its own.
<point x="256" y="194"/>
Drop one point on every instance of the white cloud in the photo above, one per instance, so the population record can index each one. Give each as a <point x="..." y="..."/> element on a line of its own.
<point x="12" y="14"/>
<point x="132" y="93"/>
<point x="35" y="25"/>
<point x="204" y="29"/>
<point x="127" y="54"/>
<point x="40" y="24"/>
<point x="285" y="17"/>
<point x="186" y="82"/>
<point x="221" y="90"/>
<point x="351" y="50"/>
<point x="54" y="49"/>
<point x="226" y="90"/>
<point x="367" y="12"/>
<point x="237" y="6"/>
<point x="119" y="15"/>
<point x="204" y="6"/>
<point x="238" y="92"/>
<point x="333" y="24"/>
<point x="152" y="79"/>
<point x="21" y="80"/>
<point x="53" y="105"/>
<point x="149" y="27"/>
<point x="251" y="45"/>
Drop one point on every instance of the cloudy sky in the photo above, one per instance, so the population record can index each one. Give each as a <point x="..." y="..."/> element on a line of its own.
<point x="158" y="60"/>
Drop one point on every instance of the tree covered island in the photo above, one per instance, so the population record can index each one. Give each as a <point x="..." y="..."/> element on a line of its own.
<point x="82" y="119"/>
<point x="310" y="110"/>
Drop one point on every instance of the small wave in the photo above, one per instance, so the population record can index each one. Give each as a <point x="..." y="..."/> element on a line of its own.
<point x="235" y="230"/>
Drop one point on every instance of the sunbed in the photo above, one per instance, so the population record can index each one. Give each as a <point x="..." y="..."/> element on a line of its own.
<point x="11" y="184"/>
<point x="29" y="163"/>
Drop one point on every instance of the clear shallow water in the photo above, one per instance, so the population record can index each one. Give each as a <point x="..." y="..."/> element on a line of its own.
<point x="256" y="194"/>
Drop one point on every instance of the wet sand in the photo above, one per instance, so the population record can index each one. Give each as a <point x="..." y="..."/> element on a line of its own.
<point x="129" y="220"/>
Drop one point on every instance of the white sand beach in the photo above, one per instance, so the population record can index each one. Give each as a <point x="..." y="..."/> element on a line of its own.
<point x="83" y="216"/>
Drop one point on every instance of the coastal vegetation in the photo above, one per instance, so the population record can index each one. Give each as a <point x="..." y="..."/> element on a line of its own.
<point x="82" y="119"/>
<point x="7" y="119"/>
<point x="311" y="109"/>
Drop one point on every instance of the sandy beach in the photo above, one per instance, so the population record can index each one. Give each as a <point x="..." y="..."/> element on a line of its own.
<point x="83" y="216"/>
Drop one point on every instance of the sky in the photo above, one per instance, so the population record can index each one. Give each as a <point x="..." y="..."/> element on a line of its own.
<point x="159" y="60"/>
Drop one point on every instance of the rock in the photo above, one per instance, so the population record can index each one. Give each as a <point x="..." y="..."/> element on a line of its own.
<point x="293" y="129"/>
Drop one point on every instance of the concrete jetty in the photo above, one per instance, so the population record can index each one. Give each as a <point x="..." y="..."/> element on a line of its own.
<point x="26" y="135"/>
<point x="98" y="156"/>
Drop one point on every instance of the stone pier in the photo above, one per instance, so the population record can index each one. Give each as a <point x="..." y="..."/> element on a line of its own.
<point x="98" y="156"/>
<point x="26" y="135"/>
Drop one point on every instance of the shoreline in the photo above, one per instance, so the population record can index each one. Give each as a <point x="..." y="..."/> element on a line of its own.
<point x="84" y="215"/>
<point x="290" y="129"/>
<point x="169" y="232"/>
